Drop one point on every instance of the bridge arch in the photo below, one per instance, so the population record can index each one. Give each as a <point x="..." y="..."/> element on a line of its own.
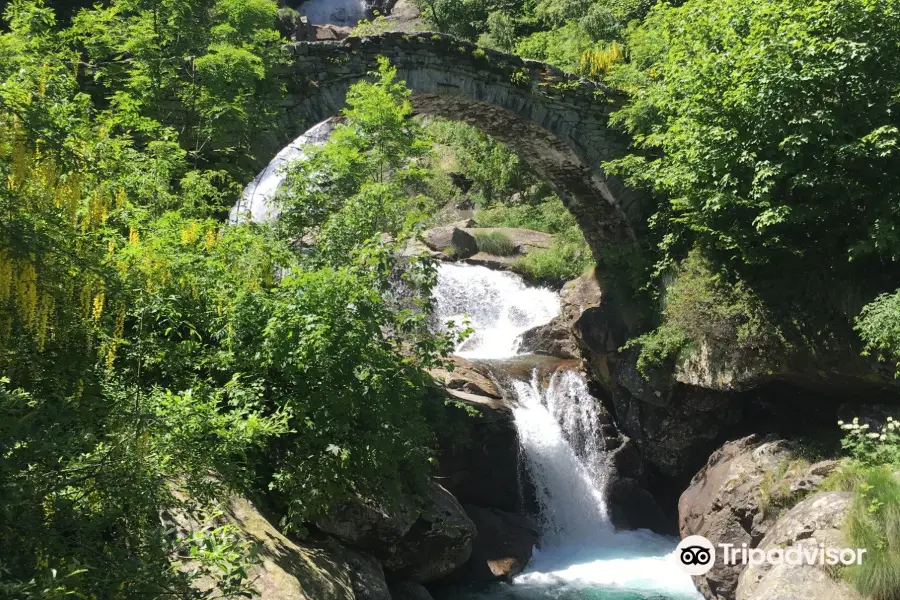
<point x="554" y="120"/>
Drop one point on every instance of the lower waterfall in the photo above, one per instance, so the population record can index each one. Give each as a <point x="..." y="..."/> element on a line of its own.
<point x="581" y="555"/>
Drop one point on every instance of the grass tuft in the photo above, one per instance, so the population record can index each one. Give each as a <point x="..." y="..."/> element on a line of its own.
<point x="495" y="242"/>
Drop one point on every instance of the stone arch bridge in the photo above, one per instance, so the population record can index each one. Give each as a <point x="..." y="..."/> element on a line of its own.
<point x="554" y="120"/>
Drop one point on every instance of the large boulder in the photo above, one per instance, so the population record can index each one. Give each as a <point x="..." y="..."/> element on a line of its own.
<point x="736" y="499"/>
<point x="478" y="452"/>
<point x="814" y="521"/>
<point x="408" y="590"/>
<point x="552" y="339"/>
<point x="365" y="571"/>
<point x="560" y="337"/>
<point x="503" y="546"/>
<point x="439" y="542"/>
<point x="287" y="569"/>
<point x="369" y="525"/>
<point x="451" y="241"/>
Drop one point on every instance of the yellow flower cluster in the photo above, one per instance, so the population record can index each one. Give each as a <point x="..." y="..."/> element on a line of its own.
<point x="596" y="63"/>
<point x="21" y="299"/>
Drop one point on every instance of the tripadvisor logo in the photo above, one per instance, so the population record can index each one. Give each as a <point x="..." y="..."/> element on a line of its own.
<point x="696" y="555"/>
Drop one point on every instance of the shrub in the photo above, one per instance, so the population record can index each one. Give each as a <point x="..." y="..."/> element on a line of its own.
<point x="702" y="304"/>
<point x="495" y="242"/>
<point x="549" y="216"/>
<point x="873" y="519"/>
<point x="564" y="260"/>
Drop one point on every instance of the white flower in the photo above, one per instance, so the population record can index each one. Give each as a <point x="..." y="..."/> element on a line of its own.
<point x="873" y="436"/>
<point x="841" y="423"/>
<point x="855" y="420"/>
<point x="890" y="419"/>
<point x="883" y="437"/>
<point x="864" y="426"/>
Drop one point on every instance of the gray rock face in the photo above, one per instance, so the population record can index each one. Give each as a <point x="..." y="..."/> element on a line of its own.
<point x="439" y="542"/>
<point x="288" y="570"/>
<point x="407" y="590"/>
<point x="553" y="339"/>
<point x="631" y="506"/>
<point x="814" y="521"/>
<point x="478" y="459"/>
<point x="503" y="546"/>
<point x="364" y="570"/>
<point x="735" y="497"/>
<point x="560" y="337"/>
<point x="365" y="525"/>
<point x="452" y="241"/>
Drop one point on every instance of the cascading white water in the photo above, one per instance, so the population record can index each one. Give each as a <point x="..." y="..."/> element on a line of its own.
<point x="257" y="199"/>
<point x="581" y="555"/>
<point x="570" y="496"/>
<point x="346" y="13"/>
<point x="499" y="307"/>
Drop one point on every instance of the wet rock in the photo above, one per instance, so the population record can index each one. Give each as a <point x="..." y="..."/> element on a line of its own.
<point x="631" y="506"/>
<point x="478" y="454"/>
<point x="407" y="590"/>
<point x="502" y="547"/>
<point x="816" y="520"/>
<point x="439" y="542"/>
<point x="451" y="241"/>
<point x="553" y="339"/>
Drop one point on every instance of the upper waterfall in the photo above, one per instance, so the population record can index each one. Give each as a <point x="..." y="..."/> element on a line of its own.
<point x="499" y="307"/>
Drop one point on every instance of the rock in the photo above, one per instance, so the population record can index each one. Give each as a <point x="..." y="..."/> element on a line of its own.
<point x="631" y="506"/>
<point x="287" y="570"/>
<point x="466" y="376"/>
<point x="816" y="520"/>
<point x="329" y="33"/>
<point x="407" y="590"/>
<point x="452" y="241"/>
<point x="560" y="337"/>
<point x="478" y="456"/>
<point x="369" y="526"/>
<point x="502" y="547"/>
<point x="525" y="241"/>
<point x="365" y="572"/>
<point x="553" y="339"/>
<point x="439" y="542"/>
<point x="735" y="497"/>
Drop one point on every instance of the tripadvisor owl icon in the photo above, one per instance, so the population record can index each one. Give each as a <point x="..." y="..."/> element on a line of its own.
<point x="695" y="555"/>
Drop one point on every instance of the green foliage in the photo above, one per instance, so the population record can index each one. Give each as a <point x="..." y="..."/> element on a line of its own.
<point x="495" y="171"/>
<point x="879" y="327"/>
<point x="152" y="360"/>
<point x="549" y="215"/>
<point x="361" y="183"/>
<point x="217" y="58"/>
<point x="749" y="161"/>
<point x="873" y="520"/>
<point x="704" y="306"/>
<point x="562" y="47"/>
<point x="569" y="257"/>
<point x="495" y="242"/>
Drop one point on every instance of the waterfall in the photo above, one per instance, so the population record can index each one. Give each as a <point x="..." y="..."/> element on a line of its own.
<point x="256" y="199"/>
<point x="581" y="555"/>
<point x="569" y="492"/>
<point x="499" y="306"/>
<point x="346" y="13"/>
